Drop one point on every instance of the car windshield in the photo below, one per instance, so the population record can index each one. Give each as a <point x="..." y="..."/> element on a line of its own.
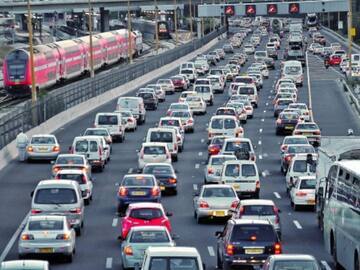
<point x="221" y="192"/>
<point x="46" y="225"/>
<point x="146" y="213"/>
<point x="308" y="184"/>
<point x="301" y="166"/>
<point x="307" y="126"/>
<point x="225" y="112"/>
<point x="258" y="210"/>
<point x="233" y="146"/>
<point x="154" y="150"/>
<point x="96" y="132"/>
<point x="232" y="170"/>
<point x="138" y="181"/>
<point x="149" y="237"/>
<point x="55" y="196"/>
<point x="246" y="90"/>
<point x="70" y="160"/>
<point x="292" y="70"/>
<point x="173" y="263"/>
<point x="295" y="265"/>
<point x="161" y="136"/>
<point x="72" y="176"/>
<point x="301" y="149"/>
<point x="42" y="140"/>
<point x="107" y="120"/>
<point x="259" y="232"/>
<point x="158" y="169"/>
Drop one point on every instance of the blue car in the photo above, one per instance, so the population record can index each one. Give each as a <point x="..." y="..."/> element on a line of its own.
<point x="137" y="188"/>
<point x="281" y="104"/>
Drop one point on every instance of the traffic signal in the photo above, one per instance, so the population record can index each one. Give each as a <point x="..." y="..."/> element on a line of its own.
<point x="272" y="9"/>
<point x="250" y="10"/>
<point x="294" y="8"/>
<point x="229" y="10"/>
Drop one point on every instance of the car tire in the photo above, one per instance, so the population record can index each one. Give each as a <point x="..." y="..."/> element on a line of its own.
<point x="175" y="158"/>
<point x="192" y="130"/>
<point x="219" y="264"/>
<point x="277" y="132"/>
<point x="296" y="207"/>
<point x="199" y="220"/>
<point x="256" y="195"/>
<point x="86" y="201"/>
<point x="225" y="266"/>
<point x="78" y="231"/>
<point x="180" y="149"/>
<point x="211" y="103"/>
<point x="69" y="258"/>
<point x="174" y="191"/>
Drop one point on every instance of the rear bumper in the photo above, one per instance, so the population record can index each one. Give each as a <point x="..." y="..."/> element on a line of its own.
<point x="42" y="156"/>
<point x="124" y="202"/>
<point x="64" y="248"/>
<point x="247" y="260"/>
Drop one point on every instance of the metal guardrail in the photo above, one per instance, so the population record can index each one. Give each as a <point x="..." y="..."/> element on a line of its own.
<point x="25" y="116"/>
<point x="353" y="94"/>
<point x="356" y="47"/>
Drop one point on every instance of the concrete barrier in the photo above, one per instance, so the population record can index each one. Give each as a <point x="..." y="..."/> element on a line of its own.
<point x="9" y="152"/>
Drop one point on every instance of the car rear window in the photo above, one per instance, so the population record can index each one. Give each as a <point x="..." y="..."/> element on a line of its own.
<point x="301" y="166"/>
<point x="178" y="107"/>
<point x="229" y="124"/>
<point x="301" y="149"/>
<point x="72" y="176"/>
<point x="289" y="116"/>
<point x="146" y="95"/>
<point x="82" y="146"/>
<point x="258" y="210"/>
<point x="161" y="136"/>
<point x="180" y="114"/>
<point x="307" y="126"/>
<point x="262" y="233"/>
<point x="220" y="192"/>
<point x="233" y="146"/>
<point x="296" y="265"/>
<point x="138" y="181"/>
<point x="173" y="263"/>
<point x="248" y="170"/>
<point x="154" y="150"/>
<point x="202" y="89"/>
<point x="220" y="160"/>
<point x="170" y="122"/>
<point x="55" y="196"/>
<point x="96" y="132"/>
<point x="232" y="170"/>
<point x="284" y="102"/>
<point x="296" y="141"/>
<point x="70" y="160"/>
<point x="149" y="237"/>
<point x="46" y="225"/>
<point x="107" y="120"/>
<point x="246" y="90"/>
<point x="308" y="184"/>
<point x="225" y="112"/>
<point x="42" y="140"/>
<point x="128" y="103"/>
<point x="157" y="169"/>
<point x="146" y="213"/>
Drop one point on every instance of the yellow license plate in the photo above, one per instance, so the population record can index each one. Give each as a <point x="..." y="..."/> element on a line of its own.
<point x="43" y="149"/>
<point x="162" y="188"/>
<point x="289" y="127"/>
<point x="138" y="193"/>
<point x="46" y="250"/>
<point x="307" y="134"/>
<point x="236" y="186"/>
<point x="254" y="251"/>
<point x="312" y="201"/>
<point x="219" y="213"/>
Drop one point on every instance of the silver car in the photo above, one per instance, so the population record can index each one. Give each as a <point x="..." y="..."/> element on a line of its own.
<point x="214" y="167"/>
<point x="43" y="147"/>
<point x="214" y="201"/>
<point x="291" y="261"/>
<point x="47" y="235"/>
<point x="139" y="239"/>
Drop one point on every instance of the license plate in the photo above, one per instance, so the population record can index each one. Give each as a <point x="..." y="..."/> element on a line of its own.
<point x="162" y="188"/>
<point x="254" y="251"/>
<point x="43" y="149"/>
<point x="311" y="201"/>
<point x="289" y="127"/>
<point x="236" y="186"/>
<point x="46" y="250"/>
<point x="219" y="213"/>
<point x="138" y="193"/>
<point x="307" y="134"/>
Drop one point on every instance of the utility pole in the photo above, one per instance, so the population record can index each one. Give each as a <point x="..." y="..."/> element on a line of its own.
<point x="129" y="34"/>
<point x="156" y="27"/>
<point x="350" y="35"/>
<point x="191" y="19"/>
<point x="175" y="24"/>
<point x="31" y="49"/>
<point x="91" y="41"/>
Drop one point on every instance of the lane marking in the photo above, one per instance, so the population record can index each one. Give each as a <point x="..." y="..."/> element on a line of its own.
<point x="260" y="157"/>
<point x="262" y="120"/>
<point x="211" y="251"/>
<point x="14" y="238"/>
<point x="326" y="265"/>
<point x="267" y="103"/>
<point x="195" y="187"/>
<point x="297" y="224"/>
<point x="277" y="195"/>
<point x="115" y="222"/>
<point x="264" y="111"/>
<point x="260" y="130"/>
<point x="197" y="166"/>
<point x="130" y="170"/>
<point x="259" y="142"/>
<point x="108" y="263"/>
<point x="202" y="140"/>
<point x="200" y="154"/>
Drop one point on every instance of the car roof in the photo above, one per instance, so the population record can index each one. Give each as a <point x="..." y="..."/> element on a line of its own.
<point x="46" y="217"/>
<point x="216" y="186"/>
<point x="241" y="162"/>
<point x="233" y="139"/>
<point x="72" y="171"/>
<point x="43" y="135"/>
<point x="146" y="144"/>
<point x="145" y="205"/>
<point x="71" y="155"/>
<point x="250" y="221"/>
<point x="172" y="251"/>
<point x="303" y="177"/>
<point x="56" y="183"/>
<point x="148" y="228"/>
<point x="24" y="264"/>
<point x="257" y="202"/>
<point x="158" y="164"/>
<point x="222" y="116"/>
<point x="280" y="257"/>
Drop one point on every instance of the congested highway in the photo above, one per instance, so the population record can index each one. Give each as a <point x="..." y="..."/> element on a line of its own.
<point x="98" y="247"/>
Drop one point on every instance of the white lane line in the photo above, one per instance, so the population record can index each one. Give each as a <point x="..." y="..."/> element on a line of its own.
<point x="277" y="195"/>
<point x="326" y="265"/>
<point x="13" y="239"/>
<point x="197" y="166"/>
<point x="267" y="103"/>
<point x="260" y="157"/>
<point x="211" y="251"/>
<point x="264" y="111"/>
<point x="108" y="263"/>
<point x="202" y="140"/>
<point x="200" y="154"/>
<point x="260" y="130"/>
<point x="297" y="224"/>
<point x="130" y="170"/>
<point x="115" y="222"/>
<point x="259" y="142"/>
<point x="262" y="120"/>
<point x="195" y="187"/>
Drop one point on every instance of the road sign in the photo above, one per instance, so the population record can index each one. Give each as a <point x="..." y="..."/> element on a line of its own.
<point x="353" y="32"/>
<point x="230" y="10"/>
<point x="250" y="10"/>
<point x="294" y="8"/>
<point x="272" y="9"/>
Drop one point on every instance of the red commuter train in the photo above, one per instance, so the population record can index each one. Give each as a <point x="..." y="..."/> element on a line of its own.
<point x="64" y="60"/>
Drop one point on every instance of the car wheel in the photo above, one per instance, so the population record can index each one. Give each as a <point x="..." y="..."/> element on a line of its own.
<point x="199" y="220"/>
<point x="296" y="207"/>
<point x="78" y="231"/>
<point x="87" y="201"/>
<point x="174" y="192"/>
<point x="69" y="258"/>
<point x="180" y="149"/>
<point x="219" y="264"/>
<point x="277" y="132"/>
<point x="256" y="195"/>
<point x="211" y="102"/>
<point x="225" y="266"/>
<point x="175" y="158"/>
<point x="101" y="168"/>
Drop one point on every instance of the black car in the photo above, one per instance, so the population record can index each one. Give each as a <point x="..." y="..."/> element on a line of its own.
<point x="150" y="100"/>
<point x="165" y="176"/>
<point x="286" y="122"/>
<point x="270" y="63"/>
<point x="246" y="243"/>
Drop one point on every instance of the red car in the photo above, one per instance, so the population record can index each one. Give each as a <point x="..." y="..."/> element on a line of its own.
<point x="334" y="60"/>
<point x="145" y="214"/>
<point x="179" y="82"/>
<point x="216" y="145"/>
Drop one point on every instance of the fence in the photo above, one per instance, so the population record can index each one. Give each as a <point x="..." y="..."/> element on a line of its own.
<point x="27" y="116"/>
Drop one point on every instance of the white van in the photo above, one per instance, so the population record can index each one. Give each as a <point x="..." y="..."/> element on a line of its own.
<point x="251" y="91"/>
<point x="294" y="71"/>
<point x="135" y="105"/>
<point x="94" y="148"/>
<point x="160" y="257"/>
<point x="226" y="125"/>
<point x="165" y="135"/>
<point x="243" y="176"/>
<point x="113" y="122"/>
<point x="205" y="92"/>
<point x="52" y="197"/>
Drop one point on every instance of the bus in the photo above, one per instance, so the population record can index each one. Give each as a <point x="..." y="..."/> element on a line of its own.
<point x="341" y="213"/>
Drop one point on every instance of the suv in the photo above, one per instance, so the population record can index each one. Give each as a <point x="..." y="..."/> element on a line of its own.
<point x="135" y="105"/>
<point x="246" y="243"/>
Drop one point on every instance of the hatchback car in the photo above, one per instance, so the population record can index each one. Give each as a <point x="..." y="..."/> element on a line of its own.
<point x="167" y="85"/>
<point x="99" y="132"/>
<point x="281" y="104"/>
<point x="179" y="82"/>
<point x="295" y="149"/>
<point x="289" y="140"/>
<point x="152" y="152"/>
<point x="216" y="144"/>
<point x="129" y="119"/>
<point x="165" y="176"/>
<point x="196" y="104"/>
<point x="286" y="122"/>
<point x="150" y="100"/>
<point x="137" y="188"/>
<point x="71" y="161"/>
<point x="186" y="118"/>
<point x="43" y="147"/>
<point x="302" y="192"/>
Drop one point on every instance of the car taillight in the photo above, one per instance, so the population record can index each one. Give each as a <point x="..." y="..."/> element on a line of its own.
<point x="210" y="170"/>
<point x="168" y="113"/>
<point x="142" y="154"/>
<point x="203" y="204"/>
<point x="128" y="250"/>
<point x="175" y="146"/>
<point x="277" y="248"/>
<point x="278" y="121"/>
<point x="301" y="193"/>
<point x="56" y="149"/>
<point x="122" y="191"/>
<point x="56" y="169"/>
<point x="248" y="108"/>
<point x="214" y="150"/>
<point x="288" y="158"/>
<point x="30" y="149"/>
<point x="100" y="152"/>
<point x="63" y="236"/>
<point x="179" y="138"/>
<point x="172" y="181"/>
<point x="317" y="132"/>
<point x="190" y="121"/>
<point x="155" y="191"/>
<point x="258" y="184"/>
<point x="35" y="211"/>
<point x="297" y="132"/>
<point x="230" y="249"/>
<point x="234" y="204"/>
<point x="130" y="120"/>
<point x="26" y="237"/>
<point x="75" y="211"/>
<point x="277" y="220"/>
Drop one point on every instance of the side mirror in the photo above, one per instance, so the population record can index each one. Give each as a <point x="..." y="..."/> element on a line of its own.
<point x="169" y="214"/>
<point x="175" y="236"/>
<point x="120" y="238"/>
<point x="31" y="194"/>
<point x="52" y="162"/>
<point x="218" y="233"/>
<point x="196" y="194"/>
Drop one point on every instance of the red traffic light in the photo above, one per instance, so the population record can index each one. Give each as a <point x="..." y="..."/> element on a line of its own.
<point x="272" y="9"/>
<point x="229" y="10"/>
<point x="294" y="8"/>
<point x="250" y="10"/>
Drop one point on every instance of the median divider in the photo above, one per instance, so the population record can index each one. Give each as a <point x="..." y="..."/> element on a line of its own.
<point x="63" y="106"/>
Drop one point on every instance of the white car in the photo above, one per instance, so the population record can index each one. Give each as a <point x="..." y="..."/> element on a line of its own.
<point x="260" y="55"/>
<point x="224" y="125"/>
<point x="183" y="106"/>
<point x="184" y="94"/>
<point x="186" y="119"/>
<point x="167" y="85"/>
<point x="302" y="192"/>
<point x="283" y="80"/>
<point x="240" y="110"/>
<point x="249" y="48"/>
<point x="205" y="92"/>
<point x="160" y="92"/>
<point x="196" y="104"/>
<point x="305" y="113"/>
<point x="129" y="119"/>
<point x="214" y="167"/>
<point x="217" y="83"/>
<point x="190" y="73"/>
<point x="153" y="153"/>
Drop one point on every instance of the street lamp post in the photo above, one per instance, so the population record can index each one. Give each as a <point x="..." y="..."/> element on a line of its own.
<point x="129" y="34"/>
<point x="175" y="24"/>
<point x="191" y="19"/>
<point x="31" y="49"/>
<point x="91" y="41"/>
<point x="156" y="27"/>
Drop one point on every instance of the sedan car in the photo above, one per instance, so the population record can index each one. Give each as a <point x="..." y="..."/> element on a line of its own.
<point x="309" y="129"/>
<point x="281" y="104"/>
<point x="302" y="192"/>
<point x="71" y="161"/>
<point x="150" y="100"/>
<point x="130" y="120"/>
<point x="293" y="140"/>
<point x="153" y="152"/>
<point x="139" y="238"/>
<point x="178" y="107"/>
<point x="214" y="167"/>
<point x="165" y="176"/>
<point x="228" y="48"/>
<point x="186" y="118"/>
<point x="167" y="85"/>
<point x="291" y="261"/>
<point x="159" y="91"/>
<point x="43" y="147"/>
<point x="214" y="201"/>
<point x="179" y="83"/>
<point x="216" y="144"/>
<point x="137" y="188"/>
<point x="286" y="122"/>
<point x="197" y="104"/>
<point x="47" y="235"/>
